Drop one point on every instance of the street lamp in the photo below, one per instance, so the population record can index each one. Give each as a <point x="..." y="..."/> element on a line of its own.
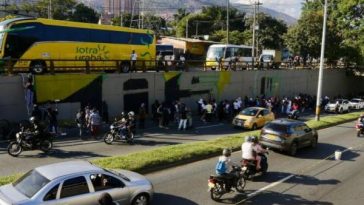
<point x="227" y="21"/>
<point x="319" y="87"/>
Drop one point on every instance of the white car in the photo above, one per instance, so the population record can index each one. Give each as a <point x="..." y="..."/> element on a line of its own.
<point x="338" y="106"/>
<point x="76" y="183"/>
<point x="357" y="103"/>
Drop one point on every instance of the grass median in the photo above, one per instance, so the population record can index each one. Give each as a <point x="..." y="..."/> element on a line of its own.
<point x="168" y="156"/>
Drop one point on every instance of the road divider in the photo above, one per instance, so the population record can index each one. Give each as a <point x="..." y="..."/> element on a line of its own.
<point x="174" y="155"/>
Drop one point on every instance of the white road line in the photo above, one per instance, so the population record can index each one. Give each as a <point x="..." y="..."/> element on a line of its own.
<point x="208" y="126"/>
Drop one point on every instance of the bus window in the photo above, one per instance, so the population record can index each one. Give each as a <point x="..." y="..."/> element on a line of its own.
<point x="229" y="52"/>
<point x="216" y="52"/>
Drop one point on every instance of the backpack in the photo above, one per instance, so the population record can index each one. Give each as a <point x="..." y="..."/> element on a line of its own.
<point x="220" y="167"/>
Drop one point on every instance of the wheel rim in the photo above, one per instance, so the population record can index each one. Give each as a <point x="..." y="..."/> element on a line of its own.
<point x="15" y="149"/>
<point x="141" y="200"/>
<point x="240" y="184"/>
<point x="109" y="138"/>
<point x="38" y="68"/>
<point x="216" y="193"/>
<point x="46" y="145"/>
<point x="125" y="68"/>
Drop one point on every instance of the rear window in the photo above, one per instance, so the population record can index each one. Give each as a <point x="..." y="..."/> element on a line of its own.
<point x="30" y="183"/>
<point x="276" y="127"/>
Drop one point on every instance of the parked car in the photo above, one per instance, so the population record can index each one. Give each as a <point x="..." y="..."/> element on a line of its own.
<point x="338" y="106"/>
<point x="288" y="135"/>
<point x="76" y="183"/>
<point x="253" y="117"/>
<point x="357" y="103"/>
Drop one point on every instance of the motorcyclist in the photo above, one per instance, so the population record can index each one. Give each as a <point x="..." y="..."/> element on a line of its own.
<point x="35" y="129"/>
<point x="224" y="167"/>
<point x="247" y="149"/>
<point x="258" y="149"/>
<point x="131" y="122"/>
<point x="361" y="119"/>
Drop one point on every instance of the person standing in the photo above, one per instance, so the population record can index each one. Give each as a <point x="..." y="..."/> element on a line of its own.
<point x="155" y="114"/>
<point x="95" y="122"/>
<point x="52" y="117"/>
<point x="133" y="58"/>
<point x="142" y="116"/>
<point x="80" y="120"/>
<point x="183" y="118"/>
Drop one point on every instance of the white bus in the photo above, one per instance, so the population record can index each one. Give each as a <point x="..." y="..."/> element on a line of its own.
<point x="228" y="56"/>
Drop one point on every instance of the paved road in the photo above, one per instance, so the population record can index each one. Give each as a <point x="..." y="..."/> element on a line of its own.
<point x="73" y="148"/>
<point x="310" y="178"/>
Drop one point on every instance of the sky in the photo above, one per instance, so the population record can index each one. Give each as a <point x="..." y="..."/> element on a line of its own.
<point x="290" y="7"/>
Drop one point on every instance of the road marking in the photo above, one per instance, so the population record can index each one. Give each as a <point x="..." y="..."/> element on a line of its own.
<point x="208" y="126"/>
<point x="251" y="195"/>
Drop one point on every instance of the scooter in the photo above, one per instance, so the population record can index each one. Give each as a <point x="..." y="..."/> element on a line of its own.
<point x="119" y="133"/>
<point x="360" y="129"/>
<point x="249" y="167"/>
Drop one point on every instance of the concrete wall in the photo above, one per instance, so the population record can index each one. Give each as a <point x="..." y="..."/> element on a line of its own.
<point x="122" y="90"/>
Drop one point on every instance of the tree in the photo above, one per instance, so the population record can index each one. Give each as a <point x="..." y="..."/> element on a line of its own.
<point x="85" y="14"/>
<point x="61" y="9"/>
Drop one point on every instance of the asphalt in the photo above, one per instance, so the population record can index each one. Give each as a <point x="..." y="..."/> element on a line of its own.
<point x="312" y="177"/>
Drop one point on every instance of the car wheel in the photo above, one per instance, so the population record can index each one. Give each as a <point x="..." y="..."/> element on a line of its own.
<point x="293" y="149"/>
<point x="254" y="126"/>
<point x="38" y="67"/>
<point x="141" y="199"/>
<point x="314" y="142"/>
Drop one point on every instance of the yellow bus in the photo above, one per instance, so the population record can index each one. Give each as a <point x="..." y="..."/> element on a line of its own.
<point x="39" y="45"/>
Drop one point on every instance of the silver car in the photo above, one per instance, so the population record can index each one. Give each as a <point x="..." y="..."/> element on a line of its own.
<point x="76" y="183"/>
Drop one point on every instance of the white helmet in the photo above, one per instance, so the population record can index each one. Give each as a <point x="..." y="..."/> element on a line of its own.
<point x="131" y="113"/>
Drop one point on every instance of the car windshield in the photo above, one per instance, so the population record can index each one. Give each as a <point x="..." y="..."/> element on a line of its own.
<point x="30" y="183"/>
<point x="277" y="127"/>
<point x="216" y="52"/>
<point x="249" y="111"/>
<point x="118" y="174"/>
<point x="335" y="101"/>
<point x="355" y="101"/>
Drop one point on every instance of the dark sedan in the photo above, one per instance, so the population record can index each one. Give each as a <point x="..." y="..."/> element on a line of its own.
<point x="288" y="135"/>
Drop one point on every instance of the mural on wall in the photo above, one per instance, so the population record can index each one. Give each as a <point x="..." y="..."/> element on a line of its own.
<point x="210" y="83"/>
<point x="67" y="88"/>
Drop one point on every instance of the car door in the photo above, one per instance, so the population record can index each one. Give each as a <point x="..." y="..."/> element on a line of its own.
<point x="308" y="135"/>
<point x="75" y="191"/>
<point x="102" y="182"/>
<point x="299" y="135"/>
<point x="260" y="120"/>
<point x="345" y="105"/>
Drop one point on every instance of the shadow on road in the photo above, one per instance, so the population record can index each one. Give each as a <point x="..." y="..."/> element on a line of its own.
<point x="272" y="177"/>
<point x="160" y="198"/>
<point x="269" y="197"/>
<point x="324" y="150"/>
<point x="61" y="154"/>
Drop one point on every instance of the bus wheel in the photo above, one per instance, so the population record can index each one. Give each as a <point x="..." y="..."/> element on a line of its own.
<point x="125" y="67"/>
<point x="38" y="67"/>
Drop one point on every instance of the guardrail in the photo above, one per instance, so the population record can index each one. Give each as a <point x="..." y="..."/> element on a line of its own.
<point x="10" y="66"/>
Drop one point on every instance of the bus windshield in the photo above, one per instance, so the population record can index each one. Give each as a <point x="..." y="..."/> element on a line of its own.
<point x="216" y="52"/>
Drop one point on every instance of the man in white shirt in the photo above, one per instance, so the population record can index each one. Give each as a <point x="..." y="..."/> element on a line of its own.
<point x="133" y="58"/>
<point x="247" y="150"/>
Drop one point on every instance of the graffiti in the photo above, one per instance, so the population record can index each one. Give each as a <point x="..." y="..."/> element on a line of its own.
<point x="92" y="53"/>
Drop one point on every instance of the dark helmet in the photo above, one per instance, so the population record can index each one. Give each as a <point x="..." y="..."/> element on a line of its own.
<point x="226" y="152"/>
<point x="254" y="139"/>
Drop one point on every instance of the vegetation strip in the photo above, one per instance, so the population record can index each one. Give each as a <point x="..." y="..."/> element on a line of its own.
<point x="168" y="156"/>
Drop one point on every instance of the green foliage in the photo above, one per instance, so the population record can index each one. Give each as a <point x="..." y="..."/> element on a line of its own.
<point x="159" y="158"/>
<point x="85" y="14"/>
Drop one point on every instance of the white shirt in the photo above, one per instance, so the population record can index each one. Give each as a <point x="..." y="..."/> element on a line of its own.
<point x="247" y="150"/>
<point x="236" y="105"/>
<point x="229" y="164"/>
<point x="134" y="56"/>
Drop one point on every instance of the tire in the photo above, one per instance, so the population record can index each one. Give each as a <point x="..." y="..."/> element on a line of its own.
<point x="216" y="192"/>
<point x="254" y="126"/>
<point x="293" y="149"/>
<point x="314" y="142"/>
<point x="131" y="139"/>
<point x="141" y="199"/>
<point x="46" y="145"/>
<point x="125" y="67"/>
<point x="108" y="138"/>
<point x="38" y="67"/>
<point x="17" y="152"/>
<point x="240" y="185"/>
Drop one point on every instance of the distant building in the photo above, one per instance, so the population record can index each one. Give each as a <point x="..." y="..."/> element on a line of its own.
<point x="113" y="8"/>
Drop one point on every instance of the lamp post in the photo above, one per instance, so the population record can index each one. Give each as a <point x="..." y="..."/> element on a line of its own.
<point x="319" y="87"/>
<point x="227" y="21"/>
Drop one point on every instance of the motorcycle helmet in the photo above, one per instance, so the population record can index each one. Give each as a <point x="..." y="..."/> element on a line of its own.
<point x="131" y="114"/>
<point x="32" y="119"/>
<point x="249" y="138"/>
<point x="226" y="152"/>
<point x="254" y="139"/>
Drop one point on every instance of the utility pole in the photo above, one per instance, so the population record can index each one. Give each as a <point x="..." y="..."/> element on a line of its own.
<point x="187" y="29"/>
<point x="227" y="21"/>
<point x="50" y="9"/>
<point x="142" y="10"/>
<point x="319" y="87"/>
<point x="253" y="46"/>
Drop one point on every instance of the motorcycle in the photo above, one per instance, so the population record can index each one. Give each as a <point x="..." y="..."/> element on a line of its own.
<point x="249" y="167"/>
<point x="294" y="114"/>
<point x="360" y="129"/>
<point x="26" y="141"/>
<point x="119" y="133"/>
<point x="217" y="185"/>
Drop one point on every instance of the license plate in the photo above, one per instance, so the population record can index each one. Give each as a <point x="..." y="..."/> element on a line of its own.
<point x="272" y="137"/>
<point x="211" y="185"/>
